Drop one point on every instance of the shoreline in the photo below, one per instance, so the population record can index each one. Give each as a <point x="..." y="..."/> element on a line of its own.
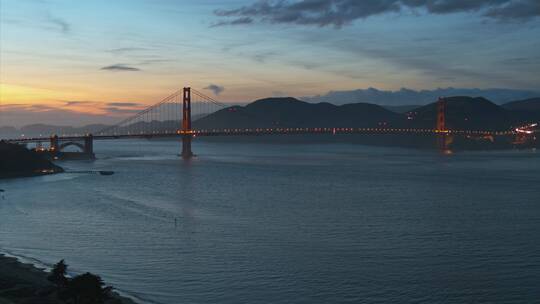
<point x="26" y="174"/>
<point x="22" y="282"/>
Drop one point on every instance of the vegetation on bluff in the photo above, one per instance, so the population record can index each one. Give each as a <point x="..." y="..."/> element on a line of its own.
<point x="18" y="161"/>
<point x="84" y="289"/>
<point x="23" y="284"/>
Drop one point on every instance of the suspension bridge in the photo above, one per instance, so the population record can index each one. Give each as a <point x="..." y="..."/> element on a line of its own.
<point x="173" y="117"/>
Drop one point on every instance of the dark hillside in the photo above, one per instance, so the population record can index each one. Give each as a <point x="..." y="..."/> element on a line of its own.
<point x="532" y="104"/>
<point x="291" y="112"/>
<point x="527" y="110"/>
<point x="17" y="160"/>
<point x="465" y="113"/>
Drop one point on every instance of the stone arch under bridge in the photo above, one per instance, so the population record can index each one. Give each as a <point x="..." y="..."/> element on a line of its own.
<point x="62" y="146"/>
<point x="84" y="143"/>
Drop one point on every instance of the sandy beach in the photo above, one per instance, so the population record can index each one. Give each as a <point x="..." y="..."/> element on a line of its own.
<point x="24" y="283"/>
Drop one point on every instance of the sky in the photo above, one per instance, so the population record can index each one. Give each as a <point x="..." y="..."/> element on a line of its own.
<point x="80" y="62"/>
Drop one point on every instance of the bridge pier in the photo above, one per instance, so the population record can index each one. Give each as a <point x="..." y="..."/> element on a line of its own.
<point x="186" y="146"/>
<point x="54" y="147"/>
<point x="89" y="147"/>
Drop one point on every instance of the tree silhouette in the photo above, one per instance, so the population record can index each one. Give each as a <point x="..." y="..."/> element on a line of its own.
<point x="87" y="289"/>
<point x="58" y="274"/>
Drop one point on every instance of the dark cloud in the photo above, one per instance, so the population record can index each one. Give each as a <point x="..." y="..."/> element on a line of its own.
<point x="516" y="10"/>
<point x="102" y="105"/>
<point x="78" y="103"/>
<point x="341" y="12"/>
<point x="120" y="67"/>
<point x="216" y="89"/>
<point x="237" y="21"/>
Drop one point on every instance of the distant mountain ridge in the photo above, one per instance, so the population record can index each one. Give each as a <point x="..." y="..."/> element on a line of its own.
<point x="406" y="96"/>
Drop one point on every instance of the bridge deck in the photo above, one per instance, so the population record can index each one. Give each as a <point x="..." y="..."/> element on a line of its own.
<point x="270" y="131"/>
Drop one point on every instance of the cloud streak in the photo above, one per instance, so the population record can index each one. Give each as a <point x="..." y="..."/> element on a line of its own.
<point x="106" y="107"/>
<point x="124" y="50"/>
<point x="71" y="103"/>
<point x="27" y="107"/>
<point x="120" y="110"/>
<point x="338" y="13"/>
<point x="120" y="68"/>
<point x="124" y="104"/>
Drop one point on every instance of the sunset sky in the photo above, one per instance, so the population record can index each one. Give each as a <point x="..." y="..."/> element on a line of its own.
<point x="110" y="57"/>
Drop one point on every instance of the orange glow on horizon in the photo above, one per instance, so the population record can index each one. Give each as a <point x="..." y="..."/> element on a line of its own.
<point x="34" y="99"/>
<point x="24" y="95"/>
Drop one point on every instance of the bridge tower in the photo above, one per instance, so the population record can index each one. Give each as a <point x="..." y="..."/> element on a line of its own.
<point x="187" y="136"/>
<point x="442" y="140"/>
<point x="441" y="114"/>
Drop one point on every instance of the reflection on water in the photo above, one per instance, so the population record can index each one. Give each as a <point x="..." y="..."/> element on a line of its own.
<point x="260" y="223"/>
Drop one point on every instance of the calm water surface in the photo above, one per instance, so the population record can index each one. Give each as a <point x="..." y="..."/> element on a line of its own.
<point x="261" y="223"/>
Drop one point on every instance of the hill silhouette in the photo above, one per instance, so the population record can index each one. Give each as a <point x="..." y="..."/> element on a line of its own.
<point x="290" y="112"/>
<point x="527" y="110"/>
<point x="462" y="113"/>
<point x="465" y="113"/>
<point x="531" y="104"/>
